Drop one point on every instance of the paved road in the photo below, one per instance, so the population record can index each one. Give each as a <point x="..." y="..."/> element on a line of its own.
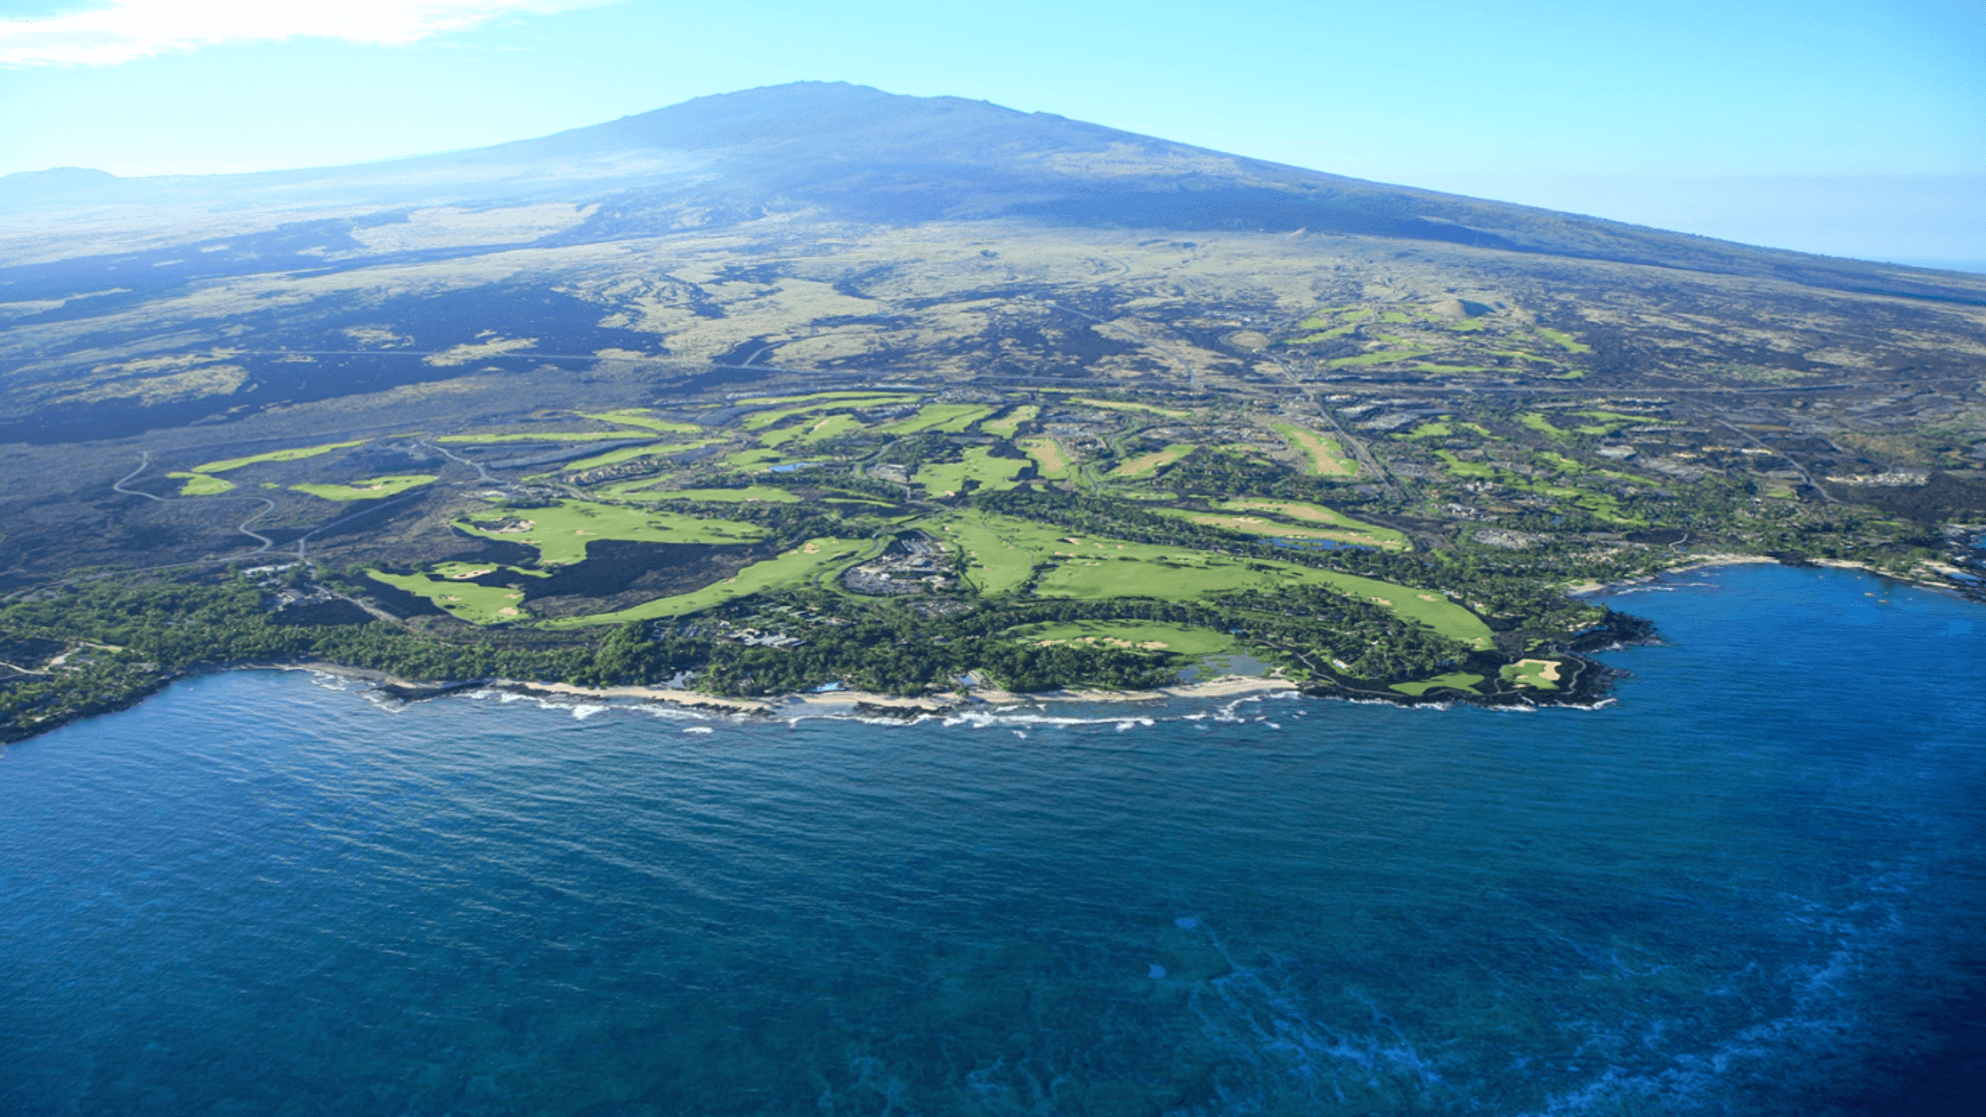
<point x="268" y="506"/>
<point x="144" y="463"/>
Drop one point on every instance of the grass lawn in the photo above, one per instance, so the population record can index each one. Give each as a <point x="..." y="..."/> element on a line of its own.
<point x="1564" y="340"/>
<point x="462" y="600"/>
<point x="950" y="418"/>
<point x="1007" y="424"/>
<point x="1095" y="569"/>
<point x="199" y="484"/>
<point x="629" y="453"/>
<point x="796" y="567"/>
<point x="992" y="474"/>
<point x="639" y="417"/>
<point x="1268" y="529"/>
<point x="1539" y="673"/>
<point x="374" y="488"/>
<point x="546" y="436"/>
<point x="1115" y="405"/>
<point x="1382" y="357"/>
<point x="1454" y="680"/>
<point x="1326" y="457"/>
<point x="780" y="436"/>
<point x="1352" y="531"/>
<point x="754" y="460"/>
<point x="276" y="456"/>
<point x="764" y="494"/>
<point x="1601" y="505"/>
<point x="1459" y="468"/>
<point x="1178" y="639"/>
<point x="763" y="419"/>
<point x="1001" y="551"/>
<point x="561" y="533"/>
<point x="1145" y="465"/>
<point x="1051" y="460"/>
<point x="843" y="395"/>
<point x="834" y="426"/>
<point x="1542" y="425"/>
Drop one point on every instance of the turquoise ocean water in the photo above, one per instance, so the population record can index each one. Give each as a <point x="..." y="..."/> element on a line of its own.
<point x="1756" y="884"/>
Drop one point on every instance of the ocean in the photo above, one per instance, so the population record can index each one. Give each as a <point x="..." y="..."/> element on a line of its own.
<point x="1753" y="884"/>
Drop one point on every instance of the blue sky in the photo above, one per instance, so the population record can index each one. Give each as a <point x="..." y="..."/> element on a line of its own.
<point x="1853" y="128"/>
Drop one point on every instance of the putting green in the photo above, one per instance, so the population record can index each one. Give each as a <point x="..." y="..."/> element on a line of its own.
<point x="1543" y="674"/>
<point x="1455" y="680"/>
<point x="465" y="601"/>
<point x="561" y="533"/>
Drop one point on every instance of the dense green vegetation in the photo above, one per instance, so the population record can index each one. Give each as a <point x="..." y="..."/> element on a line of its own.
<point x="1076" y="540"/>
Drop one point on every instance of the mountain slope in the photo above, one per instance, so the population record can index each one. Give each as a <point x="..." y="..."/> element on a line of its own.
<point x="854" y="153"/>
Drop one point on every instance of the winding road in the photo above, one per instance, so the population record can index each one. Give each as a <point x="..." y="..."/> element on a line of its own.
<point x="268" y="506"/>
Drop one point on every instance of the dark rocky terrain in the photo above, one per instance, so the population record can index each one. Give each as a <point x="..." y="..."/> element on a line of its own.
<point x="826" y="235"/>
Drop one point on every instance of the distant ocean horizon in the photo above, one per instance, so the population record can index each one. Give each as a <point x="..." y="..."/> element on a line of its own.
<point x="1755" y="883"/>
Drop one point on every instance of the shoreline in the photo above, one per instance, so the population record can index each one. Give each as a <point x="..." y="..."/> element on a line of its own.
<point x="1721" y="558"/>
<point x="1588" y="688"/>
<point x="838" y="703"/>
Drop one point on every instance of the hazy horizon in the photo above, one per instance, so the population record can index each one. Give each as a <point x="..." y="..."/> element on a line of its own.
<point x="1843" y="129"/>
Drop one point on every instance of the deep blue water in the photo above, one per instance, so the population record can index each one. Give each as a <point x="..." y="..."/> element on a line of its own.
<point x="1752" y="886"/>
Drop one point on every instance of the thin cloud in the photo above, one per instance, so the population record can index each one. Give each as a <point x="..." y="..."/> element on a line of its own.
<point x="128" y="30"/>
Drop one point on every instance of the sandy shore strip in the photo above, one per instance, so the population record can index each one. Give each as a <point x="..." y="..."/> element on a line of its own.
<point x="1938" y="578"/>
<point x="838" y="703"/>
<point x="686" y="698"/>
<point x="1696" y="562"/>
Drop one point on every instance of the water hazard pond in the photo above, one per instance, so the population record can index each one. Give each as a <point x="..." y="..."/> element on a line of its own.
<point x="1753" y="886"/>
